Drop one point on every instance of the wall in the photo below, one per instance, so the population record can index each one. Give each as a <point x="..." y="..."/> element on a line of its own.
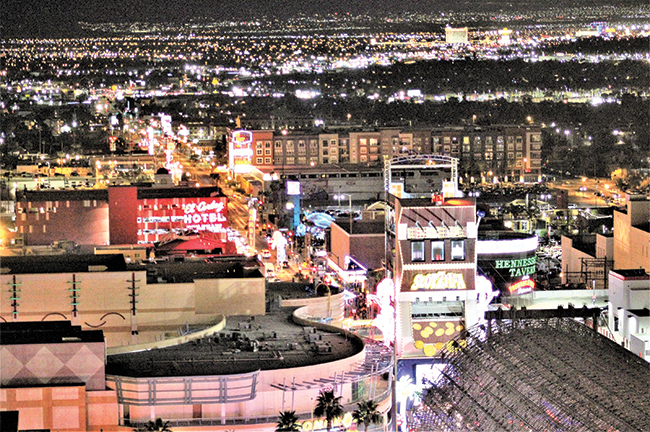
<point x="104" y="302"/>
<point x="123" y="202"/>
<point x="71" y="220"/>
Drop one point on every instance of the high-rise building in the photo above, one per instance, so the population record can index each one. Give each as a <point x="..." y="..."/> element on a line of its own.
<point x="456" y="35"/>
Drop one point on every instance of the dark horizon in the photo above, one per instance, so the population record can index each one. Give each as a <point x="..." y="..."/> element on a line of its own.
<point x="56" y="18"/>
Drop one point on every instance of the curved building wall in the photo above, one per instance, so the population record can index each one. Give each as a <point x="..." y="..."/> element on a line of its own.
<point x="510" y="261"/>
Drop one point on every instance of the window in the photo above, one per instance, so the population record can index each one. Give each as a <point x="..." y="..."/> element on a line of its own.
<point x="267" y="161"/>
<point x="278" y="144"/>
<point x="438" y="250"/>
<point x="466" y="140"/>
<point x="458" y="250"/>
<point x="325" y="143"/>
<point x="86" y="203"/>
<point x="258" y="161"/>
<point x="259" y="152"/>
<point x="268" y="152"/>
<point x="417" y="251"/>
<point x="267" y="144"/>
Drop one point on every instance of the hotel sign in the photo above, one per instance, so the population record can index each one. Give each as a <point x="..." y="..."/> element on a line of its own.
<point x="205" y="215"/>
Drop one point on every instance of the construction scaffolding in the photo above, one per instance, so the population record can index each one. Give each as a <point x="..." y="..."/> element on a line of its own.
<point x="593" y="271"/>
<point x="546" y="375"/>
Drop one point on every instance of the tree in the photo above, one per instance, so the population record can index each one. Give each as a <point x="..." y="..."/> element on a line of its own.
<point x="367" y="414"/>
<point x="287" y="422"/>
<point x="159" y="425"/>
<point x="328" y="405"/>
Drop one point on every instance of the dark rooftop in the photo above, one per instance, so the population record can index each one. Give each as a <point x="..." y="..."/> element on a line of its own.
<point x="46" y="332"/>
<point x="190" y="269"/>
<point x="179" y="192"/>
<point x="631" y="273"/>
<point x="247" y="344"/>
<point x="62" y="195"/>
<point x="68" y="263"/>
<point x="361" y="227"/>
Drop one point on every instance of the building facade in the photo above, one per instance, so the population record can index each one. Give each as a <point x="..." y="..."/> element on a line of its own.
<point x="506" y="152"/>
<point x="119" y="214"/>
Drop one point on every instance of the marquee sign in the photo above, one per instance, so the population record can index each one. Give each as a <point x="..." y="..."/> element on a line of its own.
<point x="518" y="267"/>
<point x="438" y="281"/>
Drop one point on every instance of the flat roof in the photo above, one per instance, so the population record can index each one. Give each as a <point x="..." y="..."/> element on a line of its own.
<point x="65" y="263"/>
<point x="247" y="344"/>
<point x="46" y="332"/>
<point x="361" y="227"/>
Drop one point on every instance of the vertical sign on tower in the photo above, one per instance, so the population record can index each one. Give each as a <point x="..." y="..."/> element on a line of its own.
<point x="241" y="151"/>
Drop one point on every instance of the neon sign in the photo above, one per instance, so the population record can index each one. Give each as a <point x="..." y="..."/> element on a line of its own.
<point x="205" y="215"/>
<point x="522" y="287"/>
<point x="438" y="281"/>
<point x="240" y="152"/>
<point x="518" y="267"/>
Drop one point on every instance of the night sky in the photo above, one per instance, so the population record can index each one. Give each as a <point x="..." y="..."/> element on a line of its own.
<point x="43" y="18"/>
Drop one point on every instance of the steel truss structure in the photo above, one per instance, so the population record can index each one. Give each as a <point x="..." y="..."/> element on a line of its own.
<point x="419" y="163"/>
<point x="547" y="375"/>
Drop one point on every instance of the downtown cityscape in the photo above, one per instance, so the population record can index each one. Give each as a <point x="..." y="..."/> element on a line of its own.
<point x="277" y="216"/>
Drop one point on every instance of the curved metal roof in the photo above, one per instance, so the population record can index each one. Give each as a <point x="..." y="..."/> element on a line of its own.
<point x="538" y="375"/>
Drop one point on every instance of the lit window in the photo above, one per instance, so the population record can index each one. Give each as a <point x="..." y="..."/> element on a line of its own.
<point x="438" y="250"/>
<point x="417" y="251"/>
<point x="458" y="250"/>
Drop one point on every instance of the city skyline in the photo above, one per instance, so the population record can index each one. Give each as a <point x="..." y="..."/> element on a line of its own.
<point x="52" y="18"/>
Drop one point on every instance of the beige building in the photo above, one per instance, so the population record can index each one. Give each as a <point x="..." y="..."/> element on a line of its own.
<point x="632" y="234"/>
<point x="131" y="305"/>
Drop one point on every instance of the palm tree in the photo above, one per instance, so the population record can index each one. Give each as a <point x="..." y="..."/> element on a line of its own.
<point x="287" y="422"/>
<point x="159" y="425"/>
<point x="329" y="405"/>
<point x="367" y="414"/>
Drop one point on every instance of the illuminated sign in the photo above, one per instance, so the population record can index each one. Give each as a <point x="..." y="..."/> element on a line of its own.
<point x="293" y="188"/>
<point x="205" y="215"/>
<point x="438" y="281"/>
<point x="242" y="139"/>
<point x="431" y="337"/>
<point x="344" y="422"/>
<point x="429" y="232"/>
<point x="518" y="267"/>
<point x="240" y="152"/>
<point x="522" y="287"/>
<point x="486" y="247"/>
<point x="349" y="323"/>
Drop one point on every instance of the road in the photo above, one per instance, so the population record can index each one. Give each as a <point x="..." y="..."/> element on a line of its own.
<point x="589" y="195"/>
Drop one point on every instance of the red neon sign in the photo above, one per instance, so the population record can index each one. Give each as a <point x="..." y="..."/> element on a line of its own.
<point x="523" y="286"/>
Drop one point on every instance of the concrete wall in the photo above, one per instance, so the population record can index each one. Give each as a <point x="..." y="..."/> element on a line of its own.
<point x="104" y="302"/>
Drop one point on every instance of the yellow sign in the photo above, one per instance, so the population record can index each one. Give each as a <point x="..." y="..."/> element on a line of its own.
<point x="321" y="424"/>
<point x="438" y="281"/>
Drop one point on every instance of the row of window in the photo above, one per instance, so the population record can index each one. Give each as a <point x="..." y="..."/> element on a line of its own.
<point x="455" y="251"/>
